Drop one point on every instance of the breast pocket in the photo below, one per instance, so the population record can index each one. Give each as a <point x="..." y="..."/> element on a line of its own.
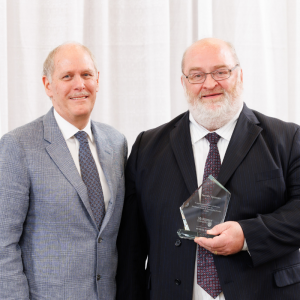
<point x="272" y="174"/>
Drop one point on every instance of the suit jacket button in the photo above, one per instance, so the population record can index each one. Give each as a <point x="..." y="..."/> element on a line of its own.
<point x="99" y="240"/>
<point x="177" y="281"/>
<point x="178" y="243"/>
<point x="98" y="277"/>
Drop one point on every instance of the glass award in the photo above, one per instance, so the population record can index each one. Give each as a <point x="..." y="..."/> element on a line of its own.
<point x="205" y="208"/>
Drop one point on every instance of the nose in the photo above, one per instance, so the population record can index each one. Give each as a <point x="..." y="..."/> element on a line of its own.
<point x="209" y="82"/>
<point x="78" y="83"/>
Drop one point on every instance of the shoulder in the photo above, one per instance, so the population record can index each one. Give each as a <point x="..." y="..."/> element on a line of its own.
<point x="15" y="144"/>
<point x="107" y="129"/>
<point x="276" y="127"/>
<point x="153" y="142"/>
<point x="274" y="123"/>
<point x="27" y="133"/>
<point x="275" y="132"/>
<point x="109" y="134"/>
<point x="164" y="130"/>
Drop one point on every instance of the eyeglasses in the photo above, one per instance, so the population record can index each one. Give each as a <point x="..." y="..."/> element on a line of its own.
<point x="218" y="75"/>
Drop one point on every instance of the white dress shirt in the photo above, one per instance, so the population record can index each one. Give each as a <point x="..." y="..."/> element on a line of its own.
<point x="200" y="149"/>
<point x="68" y="130"/>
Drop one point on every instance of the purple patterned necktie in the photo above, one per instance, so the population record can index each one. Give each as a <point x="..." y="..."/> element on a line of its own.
<point x="207" y="276"/>
<point x="90" y="177"/>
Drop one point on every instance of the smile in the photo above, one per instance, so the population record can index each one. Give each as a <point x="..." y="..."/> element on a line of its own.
<point x="79" y="98"/>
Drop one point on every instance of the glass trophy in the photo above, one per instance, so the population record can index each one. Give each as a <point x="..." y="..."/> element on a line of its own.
<point x="205" y="208"/>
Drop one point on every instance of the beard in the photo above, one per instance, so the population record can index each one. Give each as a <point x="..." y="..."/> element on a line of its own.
<point x="214" y="114"/>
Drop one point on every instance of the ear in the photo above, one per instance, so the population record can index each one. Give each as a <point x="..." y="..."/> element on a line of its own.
<point x="47" y="86"/>
<point x="241" y="75"/>
<point x="98" y="74"/>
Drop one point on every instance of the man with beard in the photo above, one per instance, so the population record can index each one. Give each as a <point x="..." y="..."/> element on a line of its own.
<point x="254" y="254"/>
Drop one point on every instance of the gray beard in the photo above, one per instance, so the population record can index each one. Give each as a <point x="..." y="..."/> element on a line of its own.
<point x="213" y="119"/>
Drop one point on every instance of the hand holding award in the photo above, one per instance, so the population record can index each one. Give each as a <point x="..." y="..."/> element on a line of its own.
<point x="206" y="208"/>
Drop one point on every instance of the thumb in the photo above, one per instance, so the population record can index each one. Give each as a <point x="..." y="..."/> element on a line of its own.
<point x="216" y="230"/>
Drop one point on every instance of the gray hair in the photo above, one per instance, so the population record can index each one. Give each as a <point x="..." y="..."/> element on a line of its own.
<point x="230" y="46"/>
<point x="48" y="66"/>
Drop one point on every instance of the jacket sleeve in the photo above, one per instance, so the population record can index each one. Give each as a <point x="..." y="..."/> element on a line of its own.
<point x="14" y="201"/>
<point x="271" y="236"/>
<point x="131" y="244"/>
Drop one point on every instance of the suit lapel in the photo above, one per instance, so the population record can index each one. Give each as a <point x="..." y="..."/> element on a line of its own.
<point x="105" y="154"/>
<point x="182" y="147"/>
<point x="60" y="154"/>
<point x="245" y="133"/>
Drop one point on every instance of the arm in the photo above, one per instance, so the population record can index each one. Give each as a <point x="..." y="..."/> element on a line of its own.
<point x="269" y="236"/>
<point x="132" y="251"/>
<point x="277" y="234"/>
<point x="14" y="201"/>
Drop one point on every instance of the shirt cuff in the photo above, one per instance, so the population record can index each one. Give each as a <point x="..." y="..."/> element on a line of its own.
<point x="245" y="247"/>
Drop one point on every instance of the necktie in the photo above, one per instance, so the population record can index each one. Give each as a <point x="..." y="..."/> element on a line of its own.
<point x="90" y="177"/>
<point x="207" y="276"/>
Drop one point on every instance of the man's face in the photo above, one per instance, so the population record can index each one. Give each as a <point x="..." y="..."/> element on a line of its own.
<point x="74" y="85"/>
<point x="212" y="103"/>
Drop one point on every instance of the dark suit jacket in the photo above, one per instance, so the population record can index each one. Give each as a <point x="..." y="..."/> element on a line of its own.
<point x="261" y="169"/>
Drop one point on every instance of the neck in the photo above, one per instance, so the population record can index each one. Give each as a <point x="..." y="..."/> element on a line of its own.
<point x="80" y="124"/>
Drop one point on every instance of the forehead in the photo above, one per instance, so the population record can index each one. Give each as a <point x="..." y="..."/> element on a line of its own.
<point x="208" y="57"/>
<point x="72" y="58"/>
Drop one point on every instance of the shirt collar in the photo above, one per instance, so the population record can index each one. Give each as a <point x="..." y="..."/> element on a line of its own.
<point x="68" y="130"/>
<point x="198" y="132"/>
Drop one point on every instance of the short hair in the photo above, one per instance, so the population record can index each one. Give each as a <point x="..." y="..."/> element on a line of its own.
<point x="48" y="66"/>
<point x="230" y="46"/>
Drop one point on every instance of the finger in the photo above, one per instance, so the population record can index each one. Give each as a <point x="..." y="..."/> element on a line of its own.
<point x="201" y="240"/>
<point x="218" y="229"/>
<point x="218" y="242"/>
<point x="204" y="242"/>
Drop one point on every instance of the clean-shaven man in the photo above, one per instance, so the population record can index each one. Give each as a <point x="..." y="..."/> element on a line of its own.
<point x="62" y="191"/>
<point x="255" y="254"/>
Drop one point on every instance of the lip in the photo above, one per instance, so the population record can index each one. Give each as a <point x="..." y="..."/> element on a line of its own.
<point x="214" y="95"/>
<point x="79" y="98"/>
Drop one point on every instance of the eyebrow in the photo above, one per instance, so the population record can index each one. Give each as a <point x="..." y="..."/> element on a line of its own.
<point x="84" y="71"/>
<point x="214" y="67"/>
<point x="89" y="70"/>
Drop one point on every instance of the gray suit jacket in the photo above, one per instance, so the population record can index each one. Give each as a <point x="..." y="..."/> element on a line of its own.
<point x="50" y="247"/>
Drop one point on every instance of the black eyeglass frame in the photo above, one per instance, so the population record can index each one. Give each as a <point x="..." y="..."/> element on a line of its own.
<point x="212" y="75"/>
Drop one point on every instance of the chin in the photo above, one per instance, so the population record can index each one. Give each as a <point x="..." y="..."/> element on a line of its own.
<point x="211" y="105"/>
<point x="213" y="115"/>
<point x="82" y="111"/>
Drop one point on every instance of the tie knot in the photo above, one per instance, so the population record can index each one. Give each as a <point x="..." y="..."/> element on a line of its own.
<point x="81" y="136"/>
<point x="213" y="138"/>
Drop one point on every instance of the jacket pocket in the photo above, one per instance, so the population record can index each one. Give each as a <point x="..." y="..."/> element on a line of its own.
<point x="277" y="173"/>
<point x="287" y="276"/>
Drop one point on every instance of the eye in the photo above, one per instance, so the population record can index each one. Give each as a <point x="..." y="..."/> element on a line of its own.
<point x="221" y="72"/>
<point x="66" y="77"/>
<point x="87" y="75"/>
<point x="196" y="75"/>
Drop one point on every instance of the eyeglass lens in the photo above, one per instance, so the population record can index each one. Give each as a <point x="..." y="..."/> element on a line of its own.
<point x="219" y="74"/>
